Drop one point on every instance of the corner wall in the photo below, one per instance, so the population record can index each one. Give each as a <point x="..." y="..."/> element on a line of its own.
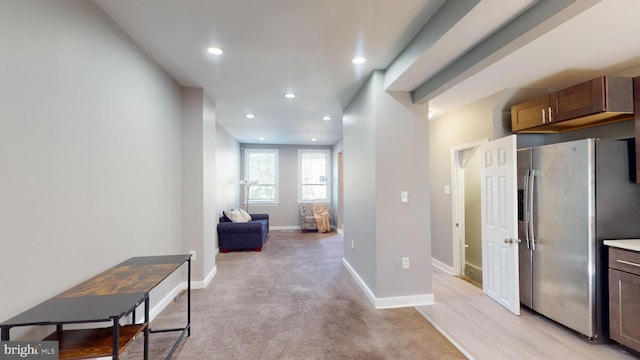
<point x="198" y="179"/>
<point x="227" y="190"/>
<point x="385" y="142"/>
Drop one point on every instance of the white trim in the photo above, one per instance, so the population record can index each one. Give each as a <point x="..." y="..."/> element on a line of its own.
<point x="207" y="279"/>
<point x="254" y="204"/>
<point x="168" y="299"/>
<point x="165" y="301"/>
<point x="359" y="281"/>
<point x="390" y="302"/>
<point x="404" y="301"/>
<point x="290" y="227"/>
<point x="442" y="266"/>
<point x="456" y="211"/>
<point x="446" y="334"/>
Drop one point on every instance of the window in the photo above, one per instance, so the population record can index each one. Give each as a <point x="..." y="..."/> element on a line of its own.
<point x="261" y="170"/>
<point x="314" y="182"/>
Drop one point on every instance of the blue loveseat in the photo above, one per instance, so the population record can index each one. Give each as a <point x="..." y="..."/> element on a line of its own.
<point x="243" y="235"/>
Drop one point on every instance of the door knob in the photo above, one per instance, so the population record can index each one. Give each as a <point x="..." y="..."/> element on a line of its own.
<point x="508" y="240"/>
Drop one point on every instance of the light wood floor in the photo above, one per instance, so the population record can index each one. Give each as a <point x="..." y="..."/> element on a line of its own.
<point x="482" y="329"/>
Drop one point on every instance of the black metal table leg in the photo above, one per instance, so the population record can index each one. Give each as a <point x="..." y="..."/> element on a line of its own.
<point x="189" y="298"/>
<point x="146" y="329"/>
<point x="5" y="334"/>
<point x="116" y="338"/>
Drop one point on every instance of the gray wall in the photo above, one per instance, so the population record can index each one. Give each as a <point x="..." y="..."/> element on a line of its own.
<point x="90" y="150"/>
<point x="227" y="191"/>
<point x="198" y="180"/>
<point x="472" y="123"/>
<point x="358" y="134"/>
<point x="286" y="214"/>
<point x="386" y="152"/>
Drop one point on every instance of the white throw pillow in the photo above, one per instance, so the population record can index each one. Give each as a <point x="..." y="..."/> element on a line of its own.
<point x="236" y="216"/>
<point x="245" y="215"/>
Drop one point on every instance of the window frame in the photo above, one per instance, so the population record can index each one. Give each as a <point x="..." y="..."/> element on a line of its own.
<point x="247" y="173"/>
<point x="327" y="153"/>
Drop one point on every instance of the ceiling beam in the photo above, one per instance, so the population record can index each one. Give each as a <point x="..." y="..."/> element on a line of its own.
<point x="447" y="16"/>
<point x="531" y="24"/>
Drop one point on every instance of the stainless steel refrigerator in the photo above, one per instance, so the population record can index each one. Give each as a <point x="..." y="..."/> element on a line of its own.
<point x="571" y="197"/>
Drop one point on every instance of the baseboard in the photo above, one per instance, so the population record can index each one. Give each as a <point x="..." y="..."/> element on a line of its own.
<point x="157" y="309"/>
<point x="284" y="227"/>
<point x="404" y="301"/>
<point x="473" y="272"/>
<point x="294" y="227"/>
<point x="207" y="280"/>
<point x="165" y="301"/>
<point x="390" y="302"/>
<point x="442" y="266"/>
<point x="359" y="281"/>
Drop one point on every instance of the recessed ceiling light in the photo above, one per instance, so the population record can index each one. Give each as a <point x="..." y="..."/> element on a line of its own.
<point x="326" y="118"/>
<point x="260" y="138"/>
<point x="314" y="139"/>
<point x="215" y="51"/>
<point x="290" y="95"/>
<point x="358" y="60"/>
<point x="250" y="116"/>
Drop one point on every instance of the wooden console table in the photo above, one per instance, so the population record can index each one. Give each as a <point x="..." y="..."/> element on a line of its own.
<point x="107" y="297"/>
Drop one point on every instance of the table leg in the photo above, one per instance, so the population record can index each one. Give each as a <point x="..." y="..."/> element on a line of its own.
<point x="146" y="329"/>
<point x="116" y="339"/>
<point x="189" y="299"/>
<point x="5" y="334"/>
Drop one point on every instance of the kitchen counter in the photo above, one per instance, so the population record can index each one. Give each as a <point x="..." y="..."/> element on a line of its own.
<point x="627" y="244"/>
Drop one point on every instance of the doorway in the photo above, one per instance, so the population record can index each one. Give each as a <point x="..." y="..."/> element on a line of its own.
<point x="466" y="204"/>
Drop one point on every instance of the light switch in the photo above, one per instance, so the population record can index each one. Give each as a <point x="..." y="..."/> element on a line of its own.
<point x="404" y="196"/>
<point x="447" y="189"/>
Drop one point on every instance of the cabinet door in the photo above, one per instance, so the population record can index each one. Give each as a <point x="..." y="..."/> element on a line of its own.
<point x="579" y="100"/>
<point x="624" y="308"/>
<point x="529" y="114"/>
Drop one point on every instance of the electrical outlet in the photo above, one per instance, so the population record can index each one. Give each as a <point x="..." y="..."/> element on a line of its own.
<point x="405" y="262"/>
<point x="353" y="243"/>
<point x="397" y="263"/>
<point x="193" y="254"/>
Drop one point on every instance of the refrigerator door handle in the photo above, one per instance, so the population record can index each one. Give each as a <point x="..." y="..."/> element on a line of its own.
<point x="532" y="235"/>
<point x="526" y="209"/>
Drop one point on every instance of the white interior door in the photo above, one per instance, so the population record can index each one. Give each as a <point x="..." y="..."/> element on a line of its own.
<point x="499" y="222"/>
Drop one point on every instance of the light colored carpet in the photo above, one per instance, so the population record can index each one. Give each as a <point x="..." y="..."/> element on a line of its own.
<point x="293" y="300"/>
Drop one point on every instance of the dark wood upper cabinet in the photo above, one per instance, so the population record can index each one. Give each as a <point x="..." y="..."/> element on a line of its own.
<point x="599" y="101"/>
<point x="529" y="114"/>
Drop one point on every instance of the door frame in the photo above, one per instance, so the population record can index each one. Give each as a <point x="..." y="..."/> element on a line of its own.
<point x="457" y="204"/>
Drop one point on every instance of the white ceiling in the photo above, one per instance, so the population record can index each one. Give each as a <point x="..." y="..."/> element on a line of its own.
<point x="275" y="46"/>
